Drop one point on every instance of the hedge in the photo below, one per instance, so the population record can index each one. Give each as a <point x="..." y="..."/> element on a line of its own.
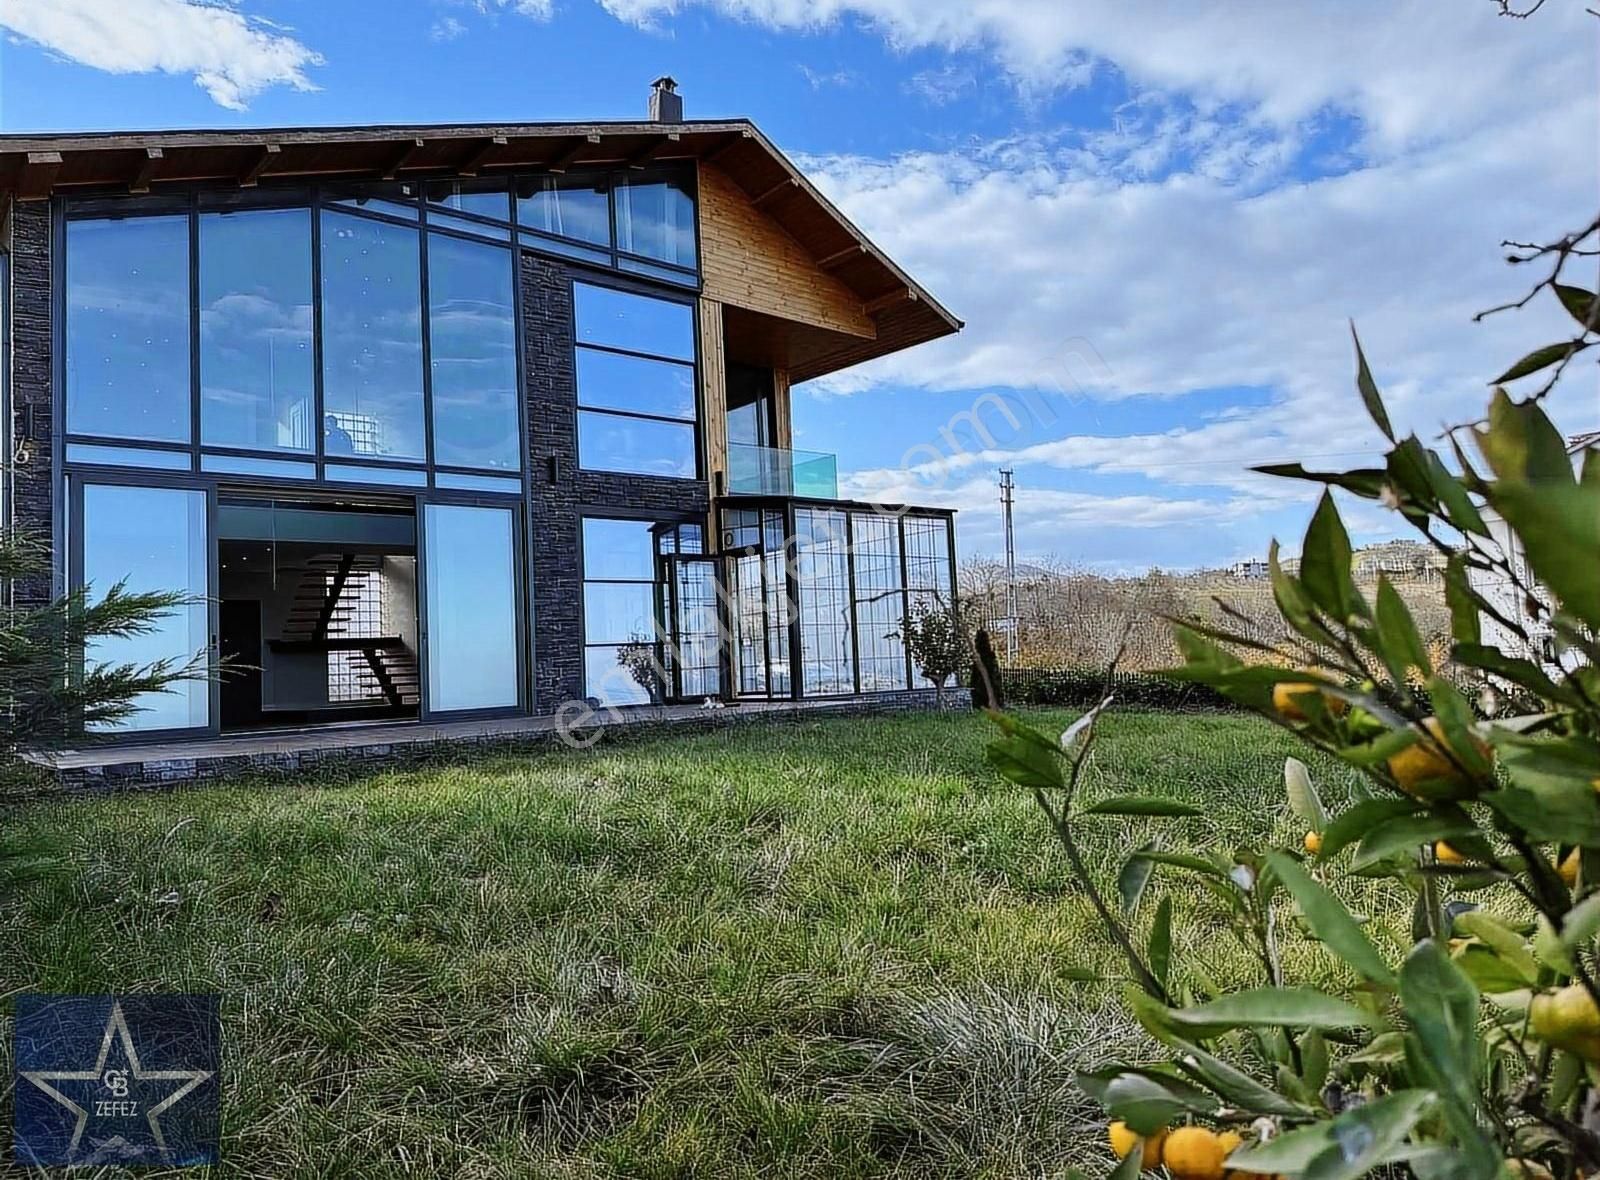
<point x="1083" y="687"/>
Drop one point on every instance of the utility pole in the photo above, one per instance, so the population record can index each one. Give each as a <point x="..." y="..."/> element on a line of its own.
<point x="1008" y="489"/>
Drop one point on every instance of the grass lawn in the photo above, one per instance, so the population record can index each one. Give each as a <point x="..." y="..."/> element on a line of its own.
<point x="833" y="948"/>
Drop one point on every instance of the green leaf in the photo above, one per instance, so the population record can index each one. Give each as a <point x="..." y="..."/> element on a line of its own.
<point x="1519" y="671"/>
<point x="1488" y="971"/>
<point x="1366" y="482"/>
<point x="1143" y="805"/>
<point x="1442" y="1005"/>
<point x="1350" y="826"/>
<point x="1314" y="1061"/>
<point x="1557" y="813"/>
<point x="1135" y="875"/>
<point x="1272" y="1007"/>
<point x="1522" y="445"/>
<point x="1579" y="304"/>
<point x="1370" y="397"/>
<point x="1539" y="358"/>
<point x="1179" y="860"/>
<point x="1506" y="942"/>
<point x="1145" y="1105"/>
<point x="1559" y="528"/>
<point x="1455" y="498"/>
<point x="1303" y="798"/>
<point x="1293" y="603"/>
<point x="1410" y="832"/>
<point x="1328" y="919"/>
<point x="1581" y="923"/>
<point x="1128" y="1169"/>
<point x="1294" y="1151"/>
<point x="1025" y="763"/>
<point x="1369" y="1136"/>
<point x="1403" y="648"/>
<point x="1325" y="564"/>
<point x="1159" y="951"/>
<point x="1233" y="1085"/>
<point x="1465" y="623"/>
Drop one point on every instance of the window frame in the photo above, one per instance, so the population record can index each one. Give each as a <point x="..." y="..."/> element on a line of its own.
<point x="697" y="424"/>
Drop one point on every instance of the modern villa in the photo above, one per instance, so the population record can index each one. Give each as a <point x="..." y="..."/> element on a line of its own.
<point x="450" y="422"/>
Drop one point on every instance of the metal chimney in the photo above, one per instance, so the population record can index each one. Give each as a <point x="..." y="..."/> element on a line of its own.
<point x="666" y="104"/>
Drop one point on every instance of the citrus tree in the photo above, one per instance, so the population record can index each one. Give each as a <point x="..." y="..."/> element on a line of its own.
<point x="936" y="636"/>
<point x="1476" y="1052"/>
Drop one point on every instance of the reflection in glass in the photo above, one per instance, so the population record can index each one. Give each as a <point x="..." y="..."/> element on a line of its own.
<point x="372" y="338"/>
<point x="618" y="612"/>
<point x="619" y="319"/>
<point x="256" y="357"/>
<point x="822" y="569"/>
<point x="696" y="629"/>
<point x="472" y="350"/>
<point x="155" y="539"/>
<point x="880" y="601"/>
<point x="127" y="328"/>
<point x="567" y="206"/>
<point x="617" y="550"/>
<point x="620" y="674"/>
<point x="610" y="380"/>
<point x="655" y="217"/>
<point x="486" y="198"/>
<point x="641" y="446"/>
<point x="472" y="607"/>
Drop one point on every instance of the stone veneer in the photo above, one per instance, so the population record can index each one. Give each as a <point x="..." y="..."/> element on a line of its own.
<point x="423" y="745"/>
<point x="32" y="360"/>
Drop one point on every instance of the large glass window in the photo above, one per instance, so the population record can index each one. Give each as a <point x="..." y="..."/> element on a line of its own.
<point x="485" y="198"/>
<point x="473" y="354"/>
<point x="880" y="601"/>
<point x="822" y="571"/>
<point x="655" y="218"/>
<point x="152" y="539"/>
<point x="621" y="657"/>
<point x="472" y="607"/>
<point x="371" y="338"/>
<point x="635" y="364"/>
<point x="257" y="365"/>
<point x="127" y="329"/>
<point x="927" y="542"/>
<point x="567" y="206"/>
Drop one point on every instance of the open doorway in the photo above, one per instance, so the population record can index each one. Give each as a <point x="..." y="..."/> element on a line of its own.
<point x="318" y="609"/>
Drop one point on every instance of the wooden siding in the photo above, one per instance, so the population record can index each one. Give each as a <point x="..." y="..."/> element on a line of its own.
<point x="782" y="413"/>
<point x="713" y="394"/>
<point x="749" y="261"/>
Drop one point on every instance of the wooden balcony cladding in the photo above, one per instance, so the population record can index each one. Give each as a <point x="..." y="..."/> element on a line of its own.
<point x="749" y="261"/>
<point x="713" y="389"/>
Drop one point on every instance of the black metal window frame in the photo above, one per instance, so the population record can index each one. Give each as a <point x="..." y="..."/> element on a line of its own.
<point x="696" y="423"/>
<point x="898" y="513"/>
<point x="387" y="474"/>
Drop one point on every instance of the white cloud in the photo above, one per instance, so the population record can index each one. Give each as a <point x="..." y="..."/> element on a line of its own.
<point x="942" y="86"/>
<point x="230" y="55"/>
<point x="1410" y="68"/>
<point x="446" y="28"/>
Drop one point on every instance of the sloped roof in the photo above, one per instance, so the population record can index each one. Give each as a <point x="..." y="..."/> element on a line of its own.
<point x="37" y="166"/>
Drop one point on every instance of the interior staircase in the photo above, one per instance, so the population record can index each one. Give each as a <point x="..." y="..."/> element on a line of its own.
<point x="327" y="616"/>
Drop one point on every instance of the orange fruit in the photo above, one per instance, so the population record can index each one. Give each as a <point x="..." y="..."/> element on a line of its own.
<point x="1195" y="1153"/>
<point x="1286" y="692"/>
<point x="1567" y="870"/>
<point x="1447" y="855"/>
<point x="1568" y="1019"/>
<point x="1123" y="1138"/>
<point x="1314" y="843"/>
<point x="1423" y="769"/>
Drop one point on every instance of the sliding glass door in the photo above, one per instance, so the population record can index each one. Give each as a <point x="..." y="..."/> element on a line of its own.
<point x="150" y="538"/>
<point x="473" y="637"/>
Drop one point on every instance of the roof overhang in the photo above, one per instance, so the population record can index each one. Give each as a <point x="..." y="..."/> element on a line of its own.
<point x="34" y="167"/>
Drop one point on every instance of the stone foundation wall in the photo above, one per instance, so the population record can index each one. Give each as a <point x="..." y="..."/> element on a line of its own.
<point x="410" y="748"/>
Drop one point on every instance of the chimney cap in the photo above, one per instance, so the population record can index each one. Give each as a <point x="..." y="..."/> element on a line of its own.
<point x="666" y="82"/>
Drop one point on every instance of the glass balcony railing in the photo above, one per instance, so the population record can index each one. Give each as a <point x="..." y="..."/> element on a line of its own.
<point x="773" y="471"/>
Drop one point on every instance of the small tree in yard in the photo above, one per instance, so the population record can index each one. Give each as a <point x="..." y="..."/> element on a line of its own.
<point x="936" y="637"/>
<point x="47" y="694"/>
<point x="1475" y="1053"/>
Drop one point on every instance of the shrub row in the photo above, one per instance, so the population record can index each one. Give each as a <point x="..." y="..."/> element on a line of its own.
<point x="1083" y="687"/>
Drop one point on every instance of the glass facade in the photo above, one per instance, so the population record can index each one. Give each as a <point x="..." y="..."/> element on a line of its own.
<point x="636" y="396"/>
<point x="257" y="360"/>
<point x="473" y="354"/>
<point x="371" y="339"/>
<point x="822" y="573"/>
<point x="472" y="607"/>
<point x="880" y="601"/>
<point x="151" y="539"/>
<point x="655" y="218"/>
<point x="127" y="326"/>
<point x="621" y="656"/>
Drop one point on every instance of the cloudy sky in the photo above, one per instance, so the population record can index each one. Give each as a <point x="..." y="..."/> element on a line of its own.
<point x="1155" y="219"/>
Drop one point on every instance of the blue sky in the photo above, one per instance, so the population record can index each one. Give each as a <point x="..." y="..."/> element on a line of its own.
<point x="1155" y="224"/>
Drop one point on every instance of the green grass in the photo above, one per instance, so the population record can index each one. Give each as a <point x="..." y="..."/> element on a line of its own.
<point x="837" y="948"/>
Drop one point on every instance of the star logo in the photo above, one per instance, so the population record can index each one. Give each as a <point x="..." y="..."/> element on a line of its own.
<point x="116" y="1099"/>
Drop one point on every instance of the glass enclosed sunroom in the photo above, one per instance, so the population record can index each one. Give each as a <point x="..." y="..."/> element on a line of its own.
<point x="426" y="441"/>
